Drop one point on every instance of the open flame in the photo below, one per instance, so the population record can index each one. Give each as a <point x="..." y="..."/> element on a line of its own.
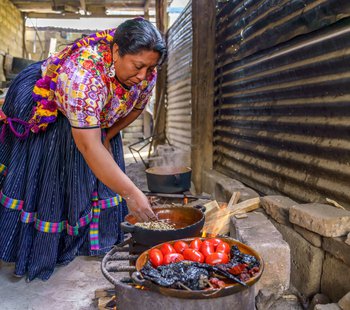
<point x="217" y="222"/>
<point x="219" y="225"/>
<point x="139" y="287"/>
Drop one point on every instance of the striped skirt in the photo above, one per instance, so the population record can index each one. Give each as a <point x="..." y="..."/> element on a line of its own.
<point x="52" y="206"/>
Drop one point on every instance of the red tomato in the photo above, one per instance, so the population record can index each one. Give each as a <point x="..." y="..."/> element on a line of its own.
<point x="172" y="258"/>
<point x="196" y="244"/>
<point x="215" y="241"/>
<point x="207" y="248"/>
<point x="156" y="257"/>
<point x="180" y="246"/>
<point x="167" y="248"/>
<point x="193" y="255"/>
<point x="223" y="247"/>
<point x="217" y="258"/>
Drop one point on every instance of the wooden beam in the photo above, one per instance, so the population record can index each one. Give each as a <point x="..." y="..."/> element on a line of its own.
<point x="83" y="6"/>
<point x="159" y="108"/>
<point x="24" y="48"/>
<point x="161" y="15"/>
<point x="203" y="19"/>
<point x="71" y="9"/>
<point x="78" y="16"/>
<point x="146" y="9"/>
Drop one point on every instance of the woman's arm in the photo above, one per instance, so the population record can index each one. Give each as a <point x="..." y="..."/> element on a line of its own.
<point x="107" y="171"/>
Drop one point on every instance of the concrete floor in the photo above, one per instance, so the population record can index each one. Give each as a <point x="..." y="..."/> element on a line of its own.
<point x="71" y="287"/>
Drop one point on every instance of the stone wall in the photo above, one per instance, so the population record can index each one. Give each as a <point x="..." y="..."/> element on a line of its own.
<point x="11" y="29"/>
<point x="317" y="235"/>
<point x="316" y="260"/>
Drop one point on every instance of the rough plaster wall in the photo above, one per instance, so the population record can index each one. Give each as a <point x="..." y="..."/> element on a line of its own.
<point x="11" y="29"/>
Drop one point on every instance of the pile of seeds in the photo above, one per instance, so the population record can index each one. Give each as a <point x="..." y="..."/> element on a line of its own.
<point x="156" y="225"/>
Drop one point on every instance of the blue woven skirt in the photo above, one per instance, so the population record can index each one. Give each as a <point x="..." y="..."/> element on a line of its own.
<point x="52" y="206"/>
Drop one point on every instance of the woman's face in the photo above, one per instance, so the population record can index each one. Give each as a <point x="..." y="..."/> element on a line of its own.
<point x="131" y="69"/>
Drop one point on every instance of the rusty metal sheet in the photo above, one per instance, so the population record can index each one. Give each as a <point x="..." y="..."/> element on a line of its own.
<point x="282" y="104"/>
<point x="178" y="115"/>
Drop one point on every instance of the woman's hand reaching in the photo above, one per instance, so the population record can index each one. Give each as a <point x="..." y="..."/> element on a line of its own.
<point x="108" y="172"/>
<point x="139" y="206"/>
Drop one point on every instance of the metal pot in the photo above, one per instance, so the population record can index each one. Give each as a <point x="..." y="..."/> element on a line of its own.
<point x="230" y="288"/>
<point x="188" y="222"/>
<point x="168" y="179"/>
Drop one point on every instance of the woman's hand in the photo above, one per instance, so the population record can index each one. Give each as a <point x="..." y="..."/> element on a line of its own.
<point x="107" y="171"/>
<point x="139" y="206"/>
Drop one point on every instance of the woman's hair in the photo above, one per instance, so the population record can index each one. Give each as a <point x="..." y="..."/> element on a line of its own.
<point x="138" y="34"/>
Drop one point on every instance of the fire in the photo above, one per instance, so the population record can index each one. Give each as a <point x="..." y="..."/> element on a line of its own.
<point x="139" y="287"/>
<point x="217" y="224"/>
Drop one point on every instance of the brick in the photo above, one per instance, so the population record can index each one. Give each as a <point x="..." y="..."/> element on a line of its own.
<point x="306" y="261"/>
<point x="347" y="241"/>
<point x="287" y="302"/>
<point x="335" y="278"/>
<point x="338" y="248"/>
<point x="323" y="219"/>
<point x="222" y="186"/>
<point x="318" y="299"/>
<point x="327" y="307"/>
<point x="278" y="207"/>
<point x="344" y="303"/>
<point x="257" y="232"/>
<point x="10" y="21"/>
<point x="313" y="238"/>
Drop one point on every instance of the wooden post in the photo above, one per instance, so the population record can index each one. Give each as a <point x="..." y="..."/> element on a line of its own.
<point x="146" y="9"/>
<point x="24" y="49"/>
<point x="159" y="107"/>
<point x="203" y="19"/>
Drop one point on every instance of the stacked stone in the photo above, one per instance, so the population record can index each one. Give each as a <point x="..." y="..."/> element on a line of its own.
<point x="318" y="236"/>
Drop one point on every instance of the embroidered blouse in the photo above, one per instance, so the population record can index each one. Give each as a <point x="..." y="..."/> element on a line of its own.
<point x="89" y="94"/>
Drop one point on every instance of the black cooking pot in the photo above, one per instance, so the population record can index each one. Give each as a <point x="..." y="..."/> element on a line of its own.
<point x="188" y="222"/>
<point x="168" y="179"/>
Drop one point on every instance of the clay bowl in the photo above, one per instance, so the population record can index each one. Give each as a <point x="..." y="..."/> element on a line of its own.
<point x="230" y="288"/>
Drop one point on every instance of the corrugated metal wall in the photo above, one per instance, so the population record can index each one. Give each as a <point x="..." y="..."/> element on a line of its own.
<point x="178" y="116"/>
<point x="282" y="97"/>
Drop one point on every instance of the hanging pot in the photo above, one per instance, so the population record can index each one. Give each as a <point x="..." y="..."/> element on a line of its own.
<point x="169" y="179"/>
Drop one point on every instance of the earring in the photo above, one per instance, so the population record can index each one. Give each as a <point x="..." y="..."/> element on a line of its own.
<point x="111" y="72"/>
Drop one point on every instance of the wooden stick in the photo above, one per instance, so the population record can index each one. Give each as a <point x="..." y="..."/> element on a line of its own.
<point x="211" y="208"/>
<point x="234" y="199"/>
<point x="335" y="204"/>
<point x="219" y="223"/>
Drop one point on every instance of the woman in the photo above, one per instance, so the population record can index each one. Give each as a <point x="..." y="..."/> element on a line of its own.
<point x="63" y="170"/>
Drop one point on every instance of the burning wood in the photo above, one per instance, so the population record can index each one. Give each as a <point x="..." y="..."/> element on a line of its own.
<point x="218" y="219"/>
<point x="234" y="199"/>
